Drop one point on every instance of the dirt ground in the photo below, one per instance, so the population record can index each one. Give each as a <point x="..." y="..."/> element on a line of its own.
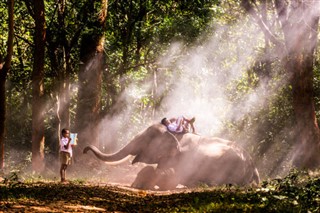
<point x="89" y="197"/>
<point x="97" y="187"/>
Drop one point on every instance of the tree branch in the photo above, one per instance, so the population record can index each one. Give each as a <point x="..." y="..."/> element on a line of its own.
<point x="265" y="29"/>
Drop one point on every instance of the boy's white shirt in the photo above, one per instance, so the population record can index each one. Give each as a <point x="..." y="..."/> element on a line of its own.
<point x="174" y="126"/>
<point x="63" y="142"/>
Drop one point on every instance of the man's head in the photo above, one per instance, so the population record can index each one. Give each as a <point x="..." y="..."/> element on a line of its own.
<point x="165" y="121"/>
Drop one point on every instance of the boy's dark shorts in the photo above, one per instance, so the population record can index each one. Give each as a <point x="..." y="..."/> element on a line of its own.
<point x="65" y="158"/>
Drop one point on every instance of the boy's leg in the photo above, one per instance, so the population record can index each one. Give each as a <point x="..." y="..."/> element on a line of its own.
<point x="63" y="172"/>
<point x="65" y="159"/>
<point x="179" y="122"/>
<point x="188" y="122"/>
<point x="192" y="127"/>
<point x="192" y="120"/>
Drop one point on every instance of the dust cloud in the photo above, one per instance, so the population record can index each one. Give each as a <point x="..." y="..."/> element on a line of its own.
<point x="195" y="80"/>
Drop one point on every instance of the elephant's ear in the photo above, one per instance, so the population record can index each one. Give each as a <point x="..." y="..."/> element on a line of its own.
<point x="175" y="142"/>
<point x="170" y="146"/>
<point x="167" y="143"/>
<point x="159" y="144"/>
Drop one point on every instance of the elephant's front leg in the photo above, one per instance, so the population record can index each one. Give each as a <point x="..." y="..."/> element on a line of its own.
<point x="146" y="179"/>
<point x="166" y="179"/>
<point x="149" y="178"/>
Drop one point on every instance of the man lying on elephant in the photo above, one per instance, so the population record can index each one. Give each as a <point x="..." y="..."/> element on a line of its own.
<point x="179" y="125"/>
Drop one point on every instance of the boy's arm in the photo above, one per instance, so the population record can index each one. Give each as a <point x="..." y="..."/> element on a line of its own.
<point x="180" y="124"/>
<point x="67" y="146"/>
<point x="186" y="119"/>
<point x="172" y="119"/>
<point x="75" y="142"/>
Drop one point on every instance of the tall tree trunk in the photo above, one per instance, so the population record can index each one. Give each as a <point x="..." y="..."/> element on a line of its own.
<point x="64" y="75"/>
<point x="303" y="24"/>
<point x="306" y="127"/>
<point x="60" y="48"/>
<point x="300" y="64"/>
<point x="4" y="69"/>
<point x="63" y="83"/>
<point x="3" y="74"/>
<point x="38" y="88"/>
<point x="90" y="78"/>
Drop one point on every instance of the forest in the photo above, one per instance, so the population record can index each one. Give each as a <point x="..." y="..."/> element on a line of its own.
<point x="248" y="71"/>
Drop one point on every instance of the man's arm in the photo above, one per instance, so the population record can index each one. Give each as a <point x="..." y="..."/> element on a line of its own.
<point x="172" y="119"/>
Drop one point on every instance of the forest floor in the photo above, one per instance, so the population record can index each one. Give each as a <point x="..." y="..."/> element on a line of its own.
<point x="104" y="188"/>
<point x="298" y="192"/>
<point x="75" y="197"/>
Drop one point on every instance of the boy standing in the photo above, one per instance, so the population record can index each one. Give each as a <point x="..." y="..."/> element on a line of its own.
<point x="65" y="153"/>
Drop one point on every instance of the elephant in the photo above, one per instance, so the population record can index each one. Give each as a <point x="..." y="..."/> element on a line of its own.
<point x="187" y="159"/>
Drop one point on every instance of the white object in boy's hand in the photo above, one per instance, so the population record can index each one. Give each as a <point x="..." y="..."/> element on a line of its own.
<point x="73" y="137"/>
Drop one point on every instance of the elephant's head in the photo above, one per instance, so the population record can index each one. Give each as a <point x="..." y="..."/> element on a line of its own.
<point x="150" y="146"/>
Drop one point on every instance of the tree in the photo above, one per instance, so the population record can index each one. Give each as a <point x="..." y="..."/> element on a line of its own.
<point x="59" y="55"/>
<point x="299" y="23"/>
<point x="61" y="40"/>
<point x="38" y="87"/>
<point x="92" y="60"/>
<point x="5" y="64"/>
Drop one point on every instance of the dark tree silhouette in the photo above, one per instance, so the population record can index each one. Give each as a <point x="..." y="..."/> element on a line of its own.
<point x="38" y="87"/>
<point x="5" y="64"/>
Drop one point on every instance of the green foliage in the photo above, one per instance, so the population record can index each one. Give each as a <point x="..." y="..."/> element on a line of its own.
<point x="316" y="84"/>
<point x="17" y="164"/>
<point x="12" y="180"/>
<point x="3" y="27"/>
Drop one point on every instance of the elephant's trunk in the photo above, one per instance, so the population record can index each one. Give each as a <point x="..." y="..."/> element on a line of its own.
<point x="140" y="146"/>
<point x="126" y="151"/>
<point x="118" y="156"/>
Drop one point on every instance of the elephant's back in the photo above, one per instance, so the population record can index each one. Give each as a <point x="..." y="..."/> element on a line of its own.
<point x="216" y="150"/>
<point x="219" y="162"/>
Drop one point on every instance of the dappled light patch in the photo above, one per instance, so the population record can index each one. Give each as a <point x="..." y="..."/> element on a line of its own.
<point x="84" y="208"/>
